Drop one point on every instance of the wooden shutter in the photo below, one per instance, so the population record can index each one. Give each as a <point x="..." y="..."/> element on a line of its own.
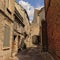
<point x="6" y="42"/>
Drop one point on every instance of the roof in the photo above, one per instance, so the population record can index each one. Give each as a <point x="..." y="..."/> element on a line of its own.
<point x="41" y="9"/>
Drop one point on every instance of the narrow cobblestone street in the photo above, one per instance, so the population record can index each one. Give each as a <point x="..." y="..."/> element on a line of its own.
<point x="34" y="54"/>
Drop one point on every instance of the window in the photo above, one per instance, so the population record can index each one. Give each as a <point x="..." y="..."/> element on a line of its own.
<point x="6" y="42"/>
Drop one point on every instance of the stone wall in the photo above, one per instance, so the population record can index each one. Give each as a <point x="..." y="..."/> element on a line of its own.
<point x="4" y="51"/>
<point x="53" y="27"/>
<point x="6" y="18"/>
<point x="26" y="28"/>
<point x="7" y="7"/>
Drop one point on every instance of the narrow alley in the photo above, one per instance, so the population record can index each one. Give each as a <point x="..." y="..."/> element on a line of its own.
<point x="28" y="31"/>
<point x="34" y="54"/>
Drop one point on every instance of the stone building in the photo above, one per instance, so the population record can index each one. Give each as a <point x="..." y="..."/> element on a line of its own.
<point x="52" y="8"/>
<point x="36" y="27"/>
<point x="6" y="27"/>
<point x="27" y="28"/>
<point x="43" y="29"/>
<point x="25" y="24"/>
<point x="14" y="28"/>
<point x="18" y="33"/>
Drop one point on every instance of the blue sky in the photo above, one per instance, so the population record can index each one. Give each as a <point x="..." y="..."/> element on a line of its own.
<point x="34" y="2"/>
<point x="30" y="5"/>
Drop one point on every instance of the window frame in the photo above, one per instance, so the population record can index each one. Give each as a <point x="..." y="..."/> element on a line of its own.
<point x="6" y="47"/>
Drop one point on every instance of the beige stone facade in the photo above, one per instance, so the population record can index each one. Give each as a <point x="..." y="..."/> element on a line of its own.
<point x="6" y="28"/>
<point x="14" y="28"/>
<point x="25" y="17"/>
<point x="13" y="20"/>
<point x="36" y="25"/>
<point x="27" y="28"/>
<point x="18" y="33"/>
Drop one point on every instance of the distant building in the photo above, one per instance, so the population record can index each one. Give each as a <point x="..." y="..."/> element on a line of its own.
<point x="52" y="8"/>
<point x="36" y="27"/>
<point x="43" y="29"/>
<point x="6" y="27"/>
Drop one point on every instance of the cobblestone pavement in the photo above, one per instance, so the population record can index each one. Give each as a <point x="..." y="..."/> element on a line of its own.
<point x="34" y="54"/>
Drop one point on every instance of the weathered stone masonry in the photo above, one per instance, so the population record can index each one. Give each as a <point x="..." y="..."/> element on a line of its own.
<point x="53" y="27"/>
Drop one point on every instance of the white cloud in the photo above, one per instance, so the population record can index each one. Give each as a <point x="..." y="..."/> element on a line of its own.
<point x="28" y="7"/>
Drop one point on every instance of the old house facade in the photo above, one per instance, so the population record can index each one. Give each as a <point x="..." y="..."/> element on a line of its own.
<point x="18" y="33"/>
<point x="13" y="28"/>
<point x="52" y="8"/>
<point x="25" y="28"/>
<point x="6" y="27"/>
<point x="36" y="27"/>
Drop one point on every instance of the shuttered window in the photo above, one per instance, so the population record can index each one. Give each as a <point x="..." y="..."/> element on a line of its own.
<point x="6" y="42"/>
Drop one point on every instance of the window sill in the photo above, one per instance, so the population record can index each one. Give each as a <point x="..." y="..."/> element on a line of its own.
<point x="6" y="48"/>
